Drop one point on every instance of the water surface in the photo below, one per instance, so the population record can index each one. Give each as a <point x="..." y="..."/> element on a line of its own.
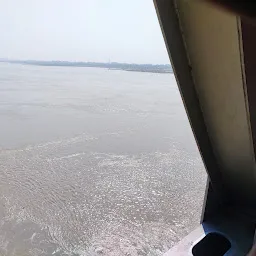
<point x="94" y="162"/>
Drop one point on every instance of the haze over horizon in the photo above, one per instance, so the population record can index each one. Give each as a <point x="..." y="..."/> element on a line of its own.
<point x="97" y="62"/>
<point x="82" y="30"/>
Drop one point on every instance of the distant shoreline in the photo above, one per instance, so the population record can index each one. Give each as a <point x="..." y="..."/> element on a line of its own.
<point x="150" y="68"/>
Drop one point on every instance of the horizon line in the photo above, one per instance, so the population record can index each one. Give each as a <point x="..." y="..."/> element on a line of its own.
<point x="131" y="63"/>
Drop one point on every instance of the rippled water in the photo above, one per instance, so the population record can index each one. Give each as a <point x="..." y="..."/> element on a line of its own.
<point x="94" y="162"/>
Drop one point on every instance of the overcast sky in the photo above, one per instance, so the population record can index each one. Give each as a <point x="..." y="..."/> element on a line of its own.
<point x="81" y="30"/>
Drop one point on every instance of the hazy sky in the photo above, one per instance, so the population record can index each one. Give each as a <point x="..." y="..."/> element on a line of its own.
<point x="81" y="30"/>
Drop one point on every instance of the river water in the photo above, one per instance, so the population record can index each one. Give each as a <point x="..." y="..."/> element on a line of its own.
<point x="94" y="162"/>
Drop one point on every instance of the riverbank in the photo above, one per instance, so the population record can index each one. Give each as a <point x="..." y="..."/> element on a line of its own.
<point x="150" y="68"/>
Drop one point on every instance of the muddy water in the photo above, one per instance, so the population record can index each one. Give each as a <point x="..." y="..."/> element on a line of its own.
<point x="94" y="162"/>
